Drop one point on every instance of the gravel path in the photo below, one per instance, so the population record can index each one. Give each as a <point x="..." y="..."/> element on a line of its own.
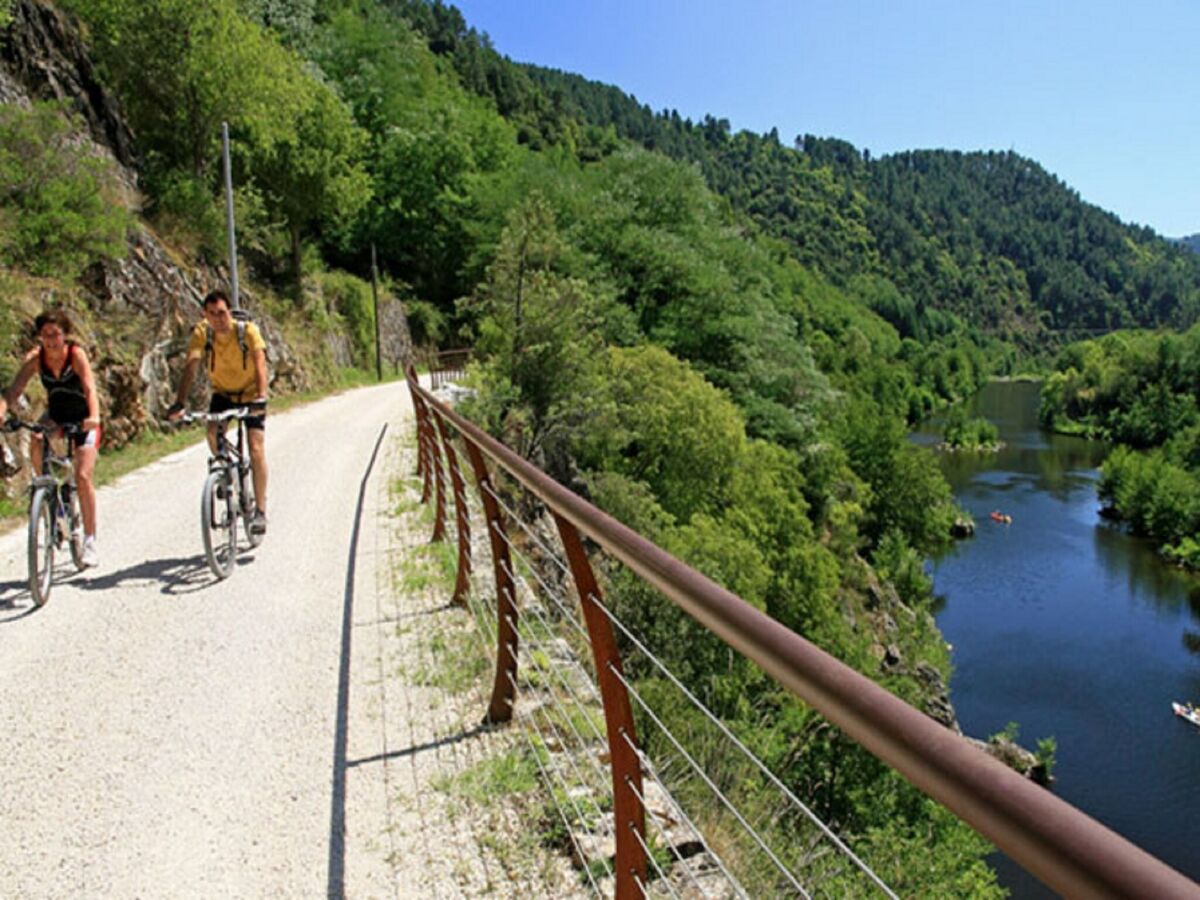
<point x="166" y="735"/>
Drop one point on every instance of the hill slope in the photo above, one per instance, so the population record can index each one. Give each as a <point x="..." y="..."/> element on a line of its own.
<point x="992" y="237"/>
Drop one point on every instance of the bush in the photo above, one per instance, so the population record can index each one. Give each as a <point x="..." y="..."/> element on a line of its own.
<point x="58" y="211"/>
<point x="351" y="298"/>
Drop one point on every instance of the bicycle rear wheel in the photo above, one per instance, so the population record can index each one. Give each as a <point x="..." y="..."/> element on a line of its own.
<point x="248" y="508"/>
<point x="41" y="545"/>
<point x="75" y="524"/>
<point x="217" y="523"/>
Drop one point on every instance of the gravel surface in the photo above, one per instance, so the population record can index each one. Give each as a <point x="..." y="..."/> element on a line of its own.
<point x="168" y="735"/>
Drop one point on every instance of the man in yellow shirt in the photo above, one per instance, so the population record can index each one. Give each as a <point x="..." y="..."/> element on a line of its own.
<point x="238" y="372"/>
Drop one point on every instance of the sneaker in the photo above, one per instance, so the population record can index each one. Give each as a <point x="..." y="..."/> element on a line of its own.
<point x="89" y="558"/>
<point x="258" y="522"/>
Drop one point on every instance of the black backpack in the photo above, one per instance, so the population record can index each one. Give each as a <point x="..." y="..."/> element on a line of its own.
<point x="241" y="318"/>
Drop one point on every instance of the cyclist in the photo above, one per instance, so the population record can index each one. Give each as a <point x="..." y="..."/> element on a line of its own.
<point x="237" y="369"/>
<point x="70" y="400"/>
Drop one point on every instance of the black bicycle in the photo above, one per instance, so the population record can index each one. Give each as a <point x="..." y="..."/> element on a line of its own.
<point x="228" y="490"/>
<point x="54" y="516"/>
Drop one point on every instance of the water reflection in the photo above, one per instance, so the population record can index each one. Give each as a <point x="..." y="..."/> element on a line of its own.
<point x="1147" y="577"/>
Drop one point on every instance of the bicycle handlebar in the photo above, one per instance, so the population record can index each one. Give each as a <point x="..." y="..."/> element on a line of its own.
<point x="68" y="429"/>
<point x="237" y="412"/>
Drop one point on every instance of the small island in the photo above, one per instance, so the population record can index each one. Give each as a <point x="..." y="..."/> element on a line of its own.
<point x="962" y="433"/>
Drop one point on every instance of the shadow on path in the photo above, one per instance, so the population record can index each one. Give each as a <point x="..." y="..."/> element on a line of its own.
<point x="178" y="575"/>
<point x="336" y="886"/>
<point x="481" y="728"/>
<point x="15" y="600"/>
<point x="403" y="617"/>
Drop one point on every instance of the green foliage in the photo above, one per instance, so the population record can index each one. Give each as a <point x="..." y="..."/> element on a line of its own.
<point x="11" y="329"/>
<point x="294" y="21"/>
<point x="58" y="206"/>
<point x="950" y="855"/>
<point x="1139" y="389"/>
<point x="1155" y="496"/>
<point x="989" y="237"/>
<point x="669" y="429"/>
<point x="538" y="329"/>
<point x="430" y="141"/>
<point x="907" y="492"/>
<point x="515" y="772"/>
<point x="312" y="175"/>
<point x="426" y="323"/>
<point x="903" y="567"/>
<point x="965" y="433"/>
<point x="719" y="342"/>
<point x="351" y="298"/>
<point x="1047" y="755"/>
<point x="1010" y="732"/>
<point x="183" y="68"/>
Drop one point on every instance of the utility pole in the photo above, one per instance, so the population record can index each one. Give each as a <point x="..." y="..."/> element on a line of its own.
<point x="375" y="299"/>
<point x="233" y="273"/>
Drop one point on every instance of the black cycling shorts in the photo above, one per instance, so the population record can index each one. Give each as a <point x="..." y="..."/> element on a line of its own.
<point x="222" y="402"/>
<point x="79" y="439"/>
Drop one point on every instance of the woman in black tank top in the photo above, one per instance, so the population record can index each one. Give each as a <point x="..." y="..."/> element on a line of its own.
<point x="66" y="374"/>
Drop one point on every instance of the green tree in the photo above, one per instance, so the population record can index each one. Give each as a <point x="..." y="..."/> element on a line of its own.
<point x="672" y="430"/>
<point x="182" y="68"/>
<point x="538" y="329"/>
<point x="314" y="176"/>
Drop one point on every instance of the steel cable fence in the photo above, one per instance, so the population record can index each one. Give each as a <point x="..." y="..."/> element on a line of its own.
<point x="560" y="709"/>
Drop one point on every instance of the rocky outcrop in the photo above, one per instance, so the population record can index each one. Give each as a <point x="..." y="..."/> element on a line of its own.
<point x="45" y="58"/>
<point x="1016" y="757"/>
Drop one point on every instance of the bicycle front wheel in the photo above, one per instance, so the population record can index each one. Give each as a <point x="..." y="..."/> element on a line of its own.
<point x="217" y="523"/>
<point x="41" y="545"/>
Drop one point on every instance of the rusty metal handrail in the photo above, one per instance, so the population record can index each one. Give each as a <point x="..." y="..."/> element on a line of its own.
<point x="1056" y="842"/>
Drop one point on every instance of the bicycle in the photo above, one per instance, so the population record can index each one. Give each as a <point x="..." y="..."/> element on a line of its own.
<point x="228" y="491"/>
<point x="54" y="514"/>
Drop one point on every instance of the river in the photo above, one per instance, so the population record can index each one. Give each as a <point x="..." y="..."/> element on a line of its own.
<point x="1066" y="625"/>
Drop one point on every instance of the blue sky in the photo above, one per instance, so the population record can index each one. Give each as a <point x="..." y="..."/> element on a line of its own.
<point x="1106" y="95"/>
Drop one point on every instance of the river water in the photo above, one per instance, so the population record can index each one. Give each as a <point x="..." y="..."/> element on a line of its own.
<point x="1066" y="625"/>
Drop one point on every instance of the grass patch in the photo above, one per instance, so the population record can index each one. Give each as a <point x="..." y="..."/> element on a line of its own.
<point x="457" y="664"/>
<point x="426" y="567"/>
<point x="514" y="772"/>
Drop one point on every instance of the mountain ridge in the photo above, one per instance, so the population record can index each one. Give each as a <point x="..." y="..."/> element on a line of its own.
<point x="927" y="220"/>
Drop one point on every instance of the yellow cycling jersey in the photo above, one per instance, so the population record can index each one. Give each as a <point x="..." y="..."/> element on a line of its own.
<point x="225" y="370"/>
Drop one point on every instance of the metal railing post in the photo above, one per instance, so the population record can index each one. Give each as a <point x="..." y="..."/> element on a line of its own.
<point x="462" y="517"/>
<point x="500" y="709"/>
<point x="439" y="480"/>
<point x="419" y="412"/>
<point x="628" y="812"/>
